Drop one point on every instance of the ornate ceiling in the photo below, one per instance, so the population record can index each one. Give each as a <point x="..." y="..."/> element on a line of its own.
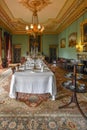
<point x="55" y="15"/>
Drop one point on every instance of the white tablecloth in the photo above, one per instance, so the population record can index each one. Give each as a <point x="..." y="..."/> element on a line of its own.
<point x="33" y="81"/>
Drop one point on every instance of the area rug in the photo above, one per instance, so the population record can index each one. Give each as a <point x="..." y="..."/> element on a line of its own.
<point x="32" y="100"/>
<point x="18" y="115"/>
<point x="2" y="70"/>
<point x="4" y="73"/>
<point x="42" y="123"/>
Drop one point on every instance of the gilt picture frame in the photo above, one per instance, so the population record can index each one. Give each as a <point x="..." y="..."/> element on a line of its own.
<point x="63" y="43"/>
<point x="35" y="42"/>
<point x="84" y="32"/>
<point x="73" y="39"/>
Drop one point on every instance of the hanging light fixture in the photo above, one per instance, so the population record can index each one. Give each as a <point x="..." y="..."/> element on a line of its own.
<point x="35" y="26"/>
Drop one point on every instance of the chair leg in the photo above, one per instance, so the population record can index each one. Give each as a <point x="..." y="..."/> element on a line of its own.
<point x="16" y="95"/>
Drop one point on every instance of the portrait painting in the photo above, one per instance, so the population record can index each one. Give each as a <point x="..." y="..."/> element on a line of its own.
<point x="84" y="32"/>
<point x="63" y="43"/>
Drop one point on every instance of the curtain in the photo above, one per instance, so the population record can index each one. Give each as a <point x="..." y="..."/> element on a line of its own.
<point x="8" y="51"/>
<point x="0" y="48"/>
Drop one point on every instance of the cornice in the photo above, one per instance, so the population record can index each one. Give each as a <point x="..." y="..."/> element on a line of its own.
<point x="74" y="12"/>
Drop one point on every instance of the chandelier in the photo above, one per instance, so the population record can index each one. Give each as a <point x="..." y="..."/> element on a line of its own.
<point x="35" y="26"/>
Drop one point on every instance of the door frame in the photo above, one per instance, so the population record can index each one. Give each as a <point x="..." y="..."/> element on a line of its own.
<point x="15" y="46"/>
<point x="54" y="46"/>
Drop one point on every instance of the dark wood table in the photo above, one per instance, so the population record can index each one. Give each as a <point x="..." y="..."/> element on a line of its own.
<point x="75" y="88"/>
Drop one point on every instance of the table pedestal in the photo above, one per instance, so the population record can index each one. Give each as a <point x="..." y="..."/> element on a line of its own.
<point x="74" y="96"/>
<point x="74" y="100"/>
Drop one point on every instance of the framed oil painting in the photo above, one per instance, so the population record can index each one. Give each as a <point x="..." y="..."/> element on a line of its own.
<point x="35" y="42"/>
<point x="84" y="32"/>
<point x="72" y="39"/>
<point x="63" y="43"/>
<point x="85" y="48"/>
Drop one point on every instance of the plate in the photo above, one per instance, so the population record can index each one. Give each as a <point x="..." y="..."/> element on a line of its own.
<point x="67" y="83"/>
<point x="70" y="75"/>
<point x="72" y="86"/>
<point x="82" y="86"/>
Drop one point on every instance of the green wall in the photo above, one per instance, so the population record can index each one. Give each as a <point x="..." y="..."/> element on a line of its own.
<point x="22" y="40"/>
<point x="48" y="40"/>
<point x="70" y="52"/>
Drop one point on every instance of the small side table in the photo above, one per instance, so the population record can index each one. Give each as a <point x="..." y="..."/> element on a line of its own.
<point x="75" y="90"/>
<point x="80" y="67"/>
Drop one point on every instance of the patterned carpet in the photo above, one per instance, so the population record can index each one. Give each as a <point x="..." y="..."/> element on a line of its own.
<point x="39" y="112"/>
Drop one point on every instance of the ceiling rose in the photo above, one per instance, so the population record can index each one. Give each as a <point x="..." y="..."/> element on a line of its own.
<point x="39" y="4"/>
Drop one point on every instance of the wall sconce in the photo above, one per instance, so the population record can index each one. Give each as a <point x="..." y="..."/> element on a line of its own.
<point x="79" y="48"/>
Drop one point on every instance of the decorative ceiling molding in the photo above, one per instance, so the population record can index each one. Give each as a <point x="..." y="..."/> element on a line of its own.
<point x="78" y="8"/>
<point x="68" y="14"/>
<point x="4" y="18"/>
<point x="35" y="4"/>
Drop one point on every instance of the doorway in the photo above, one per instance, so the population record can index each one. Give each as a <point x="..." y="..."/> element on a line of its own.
<point x="52" y="53"/>
<point x="17" y="53"/>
